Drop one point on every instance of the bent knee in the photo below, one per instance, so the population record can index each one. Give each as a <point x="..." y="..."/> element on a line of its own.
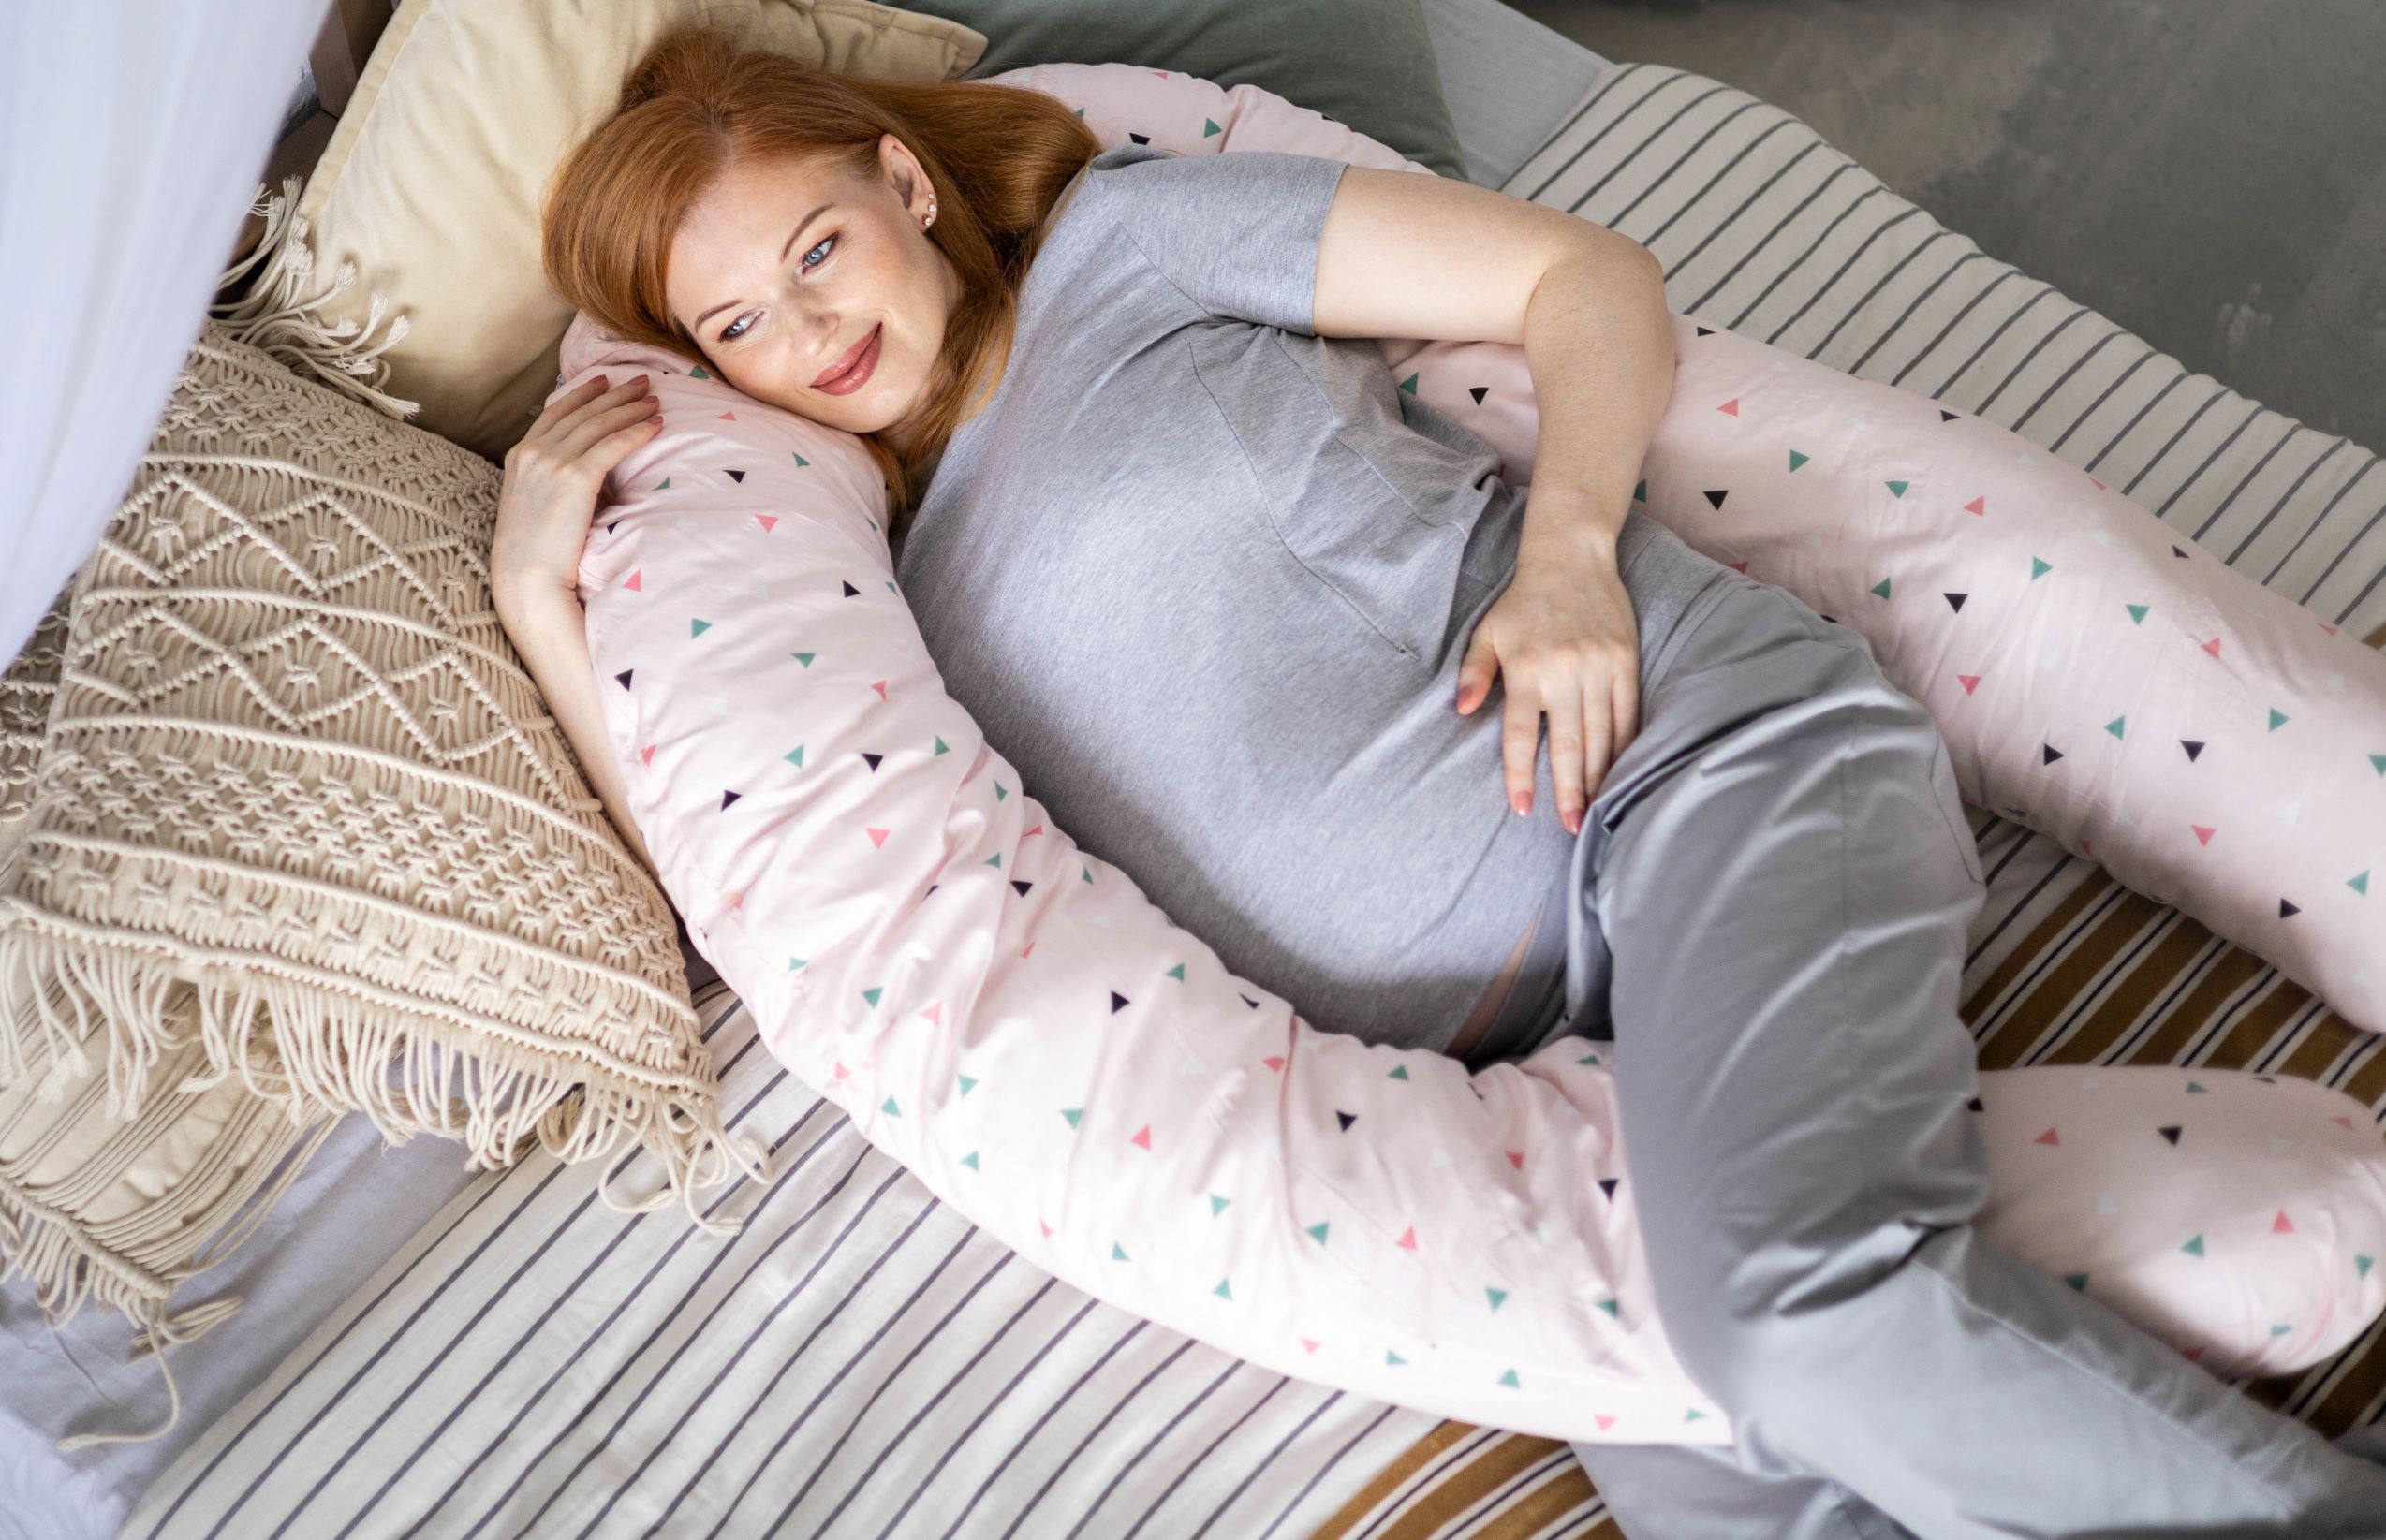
<point x="1757" y="1331"/>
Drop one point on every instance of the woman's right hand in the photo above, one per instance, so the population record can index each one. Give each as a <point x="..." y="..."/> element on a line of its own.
<point x="551" y="482"/>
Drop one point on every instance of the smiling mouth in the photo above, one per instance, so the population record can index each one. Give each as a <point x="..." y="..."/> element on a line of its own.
<point x="845" y="364"/>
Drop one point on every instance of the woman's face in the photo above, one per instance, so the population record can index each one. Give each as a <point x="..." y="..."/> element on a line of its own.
<point x="816" y="291"/>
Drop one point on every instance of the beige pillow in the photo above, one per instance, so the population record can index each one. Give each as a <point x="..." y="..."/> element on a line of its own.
<point x="430" y="186"/>
<point x="295" y="764"/>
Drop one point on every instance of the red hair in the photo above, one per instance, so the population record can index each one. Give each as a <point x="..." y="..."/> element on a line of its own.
<point x="701" y="99"/>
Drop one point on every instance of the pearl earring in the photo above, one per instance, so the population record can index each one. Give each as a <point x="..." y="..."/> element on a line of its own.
<point x="932" y="214"/>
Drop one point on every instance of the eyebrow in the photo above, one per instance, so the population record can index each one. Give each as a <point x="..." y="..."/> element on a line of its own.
<point x="782" y="251"/>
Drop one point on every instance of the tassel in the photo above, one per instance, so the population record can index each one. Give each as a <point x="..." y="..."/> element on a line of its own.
<point x="274" y="316"/>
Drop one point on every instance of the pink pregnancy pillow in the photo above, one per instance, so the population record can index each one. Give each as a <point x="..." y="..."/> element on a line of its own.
<point x="911" y="930"/>
<point x="1011" y="1018"/>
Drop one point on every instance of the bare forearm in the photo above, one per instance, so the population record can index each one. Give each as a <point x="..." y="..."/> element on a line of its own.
<point x="1599" y="343"/>
<point x="549" y="630"/>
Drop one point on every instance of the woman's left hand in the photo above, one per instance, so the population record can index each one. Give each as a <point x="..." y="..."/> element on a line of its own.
<point x="1565" y="639"/>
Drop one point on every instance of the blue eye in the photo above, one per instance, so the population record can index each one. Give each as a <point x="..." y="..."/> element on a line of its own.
<point x="737" y="329"/>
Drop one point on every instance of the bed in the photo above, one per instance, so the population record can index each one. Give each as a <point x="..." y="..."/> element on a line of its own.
<point x="502" y="1356"/>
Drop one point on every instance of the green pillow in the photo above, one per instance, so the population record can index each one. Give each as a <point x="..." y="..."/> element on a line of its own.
<point x="1366" y="63"/>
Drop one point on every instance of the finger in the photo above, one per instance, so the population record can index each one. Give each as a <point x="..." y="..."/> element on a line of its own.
<point x="605" y="401"/>
<point x="569" y="402"/>
<point x="1599" y="739"/>
<point x="606" y="398"/>
<point x="1474" y="672"/>
<point x="1626" y="694"/>
<point x="598" y="459"/>
<point x="559" y="420"/>
<point x="608" y="451"/>
<point x="1565" y="728"/>
<point x="576" y="440"/>
<point x="1520" y="740"/>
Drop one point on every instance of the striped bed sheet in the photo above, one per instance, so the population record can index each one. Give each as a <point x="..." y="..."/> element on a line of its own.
<point x="861" y="1361"/>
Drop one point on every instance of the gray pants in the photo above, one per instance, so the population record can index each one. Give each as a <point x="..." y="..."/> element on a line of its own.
<point x="1771" y="893"/>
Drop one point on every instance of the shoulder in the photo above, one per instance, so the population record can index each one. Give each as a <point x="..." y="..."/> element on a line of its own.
<point x="1112" y="173"/>
<point x="1147" y="186"/>
<point x="1129" y="153"/>
<point x="1096" y="179"/>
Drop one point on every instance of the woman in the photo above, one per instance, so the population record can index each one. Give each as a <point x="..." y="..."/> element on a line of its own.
<point x="1232" y="604"/>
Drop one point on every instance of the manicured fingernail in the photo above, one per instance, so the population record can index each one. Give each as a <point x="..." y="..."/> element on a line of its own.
<point x="1573" y="823"/>
<point x="1522" y="803"/>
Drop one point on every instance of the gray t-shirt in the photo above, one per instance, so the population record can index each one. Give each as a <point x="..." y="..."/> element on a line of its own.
<point x="1206" y="580"/>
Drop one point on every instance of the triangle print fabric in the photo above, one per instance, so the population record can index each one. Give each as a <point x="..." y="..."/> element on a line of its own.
<point x="1010" y="1018"/>
<point x="2098" y="676"/>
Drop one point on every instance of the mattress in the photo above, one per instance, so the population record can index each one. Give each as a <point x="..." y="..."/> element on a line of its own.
<point x="861" y="1361"/>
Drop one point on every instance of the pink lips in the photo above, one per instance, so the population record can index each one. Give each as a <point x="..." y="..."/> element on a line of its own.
<point x="853" y="370"/>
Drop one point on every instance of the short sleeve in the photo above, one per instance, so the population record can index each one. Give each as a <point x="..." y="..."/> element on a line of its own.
<point x="1236" y="231"/>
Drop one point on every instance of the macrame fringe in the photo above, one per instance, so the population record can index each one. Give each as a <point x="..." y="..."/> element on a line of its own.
<point x="297" y="1045"/>
<point x="54" y="1252"/>
<point x="273" y="314"/>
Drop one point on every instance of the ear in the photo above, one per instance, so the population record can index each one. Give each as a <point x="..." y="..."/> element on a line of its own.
<point x="904" y="174"/>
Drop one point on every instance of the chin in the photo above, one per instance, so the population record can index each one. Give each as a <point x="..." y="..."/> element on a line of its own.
<point x="883" y="403"/>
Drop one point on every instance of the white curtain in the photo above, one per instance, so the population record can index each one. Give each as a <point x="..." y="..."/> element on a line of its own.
<point x="132" y="134"/>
